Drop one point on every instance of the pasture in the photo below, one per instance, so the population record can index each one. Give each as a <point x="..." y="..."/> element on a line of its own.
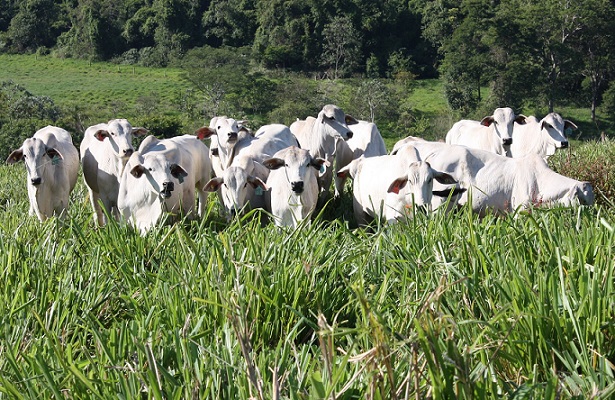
<point x="443" y="306"/>
<point x="440" y="306"/>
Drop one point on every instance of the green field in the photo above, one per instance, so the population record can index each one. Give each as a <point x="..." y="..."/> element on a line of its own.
<point x="440" y="306"/>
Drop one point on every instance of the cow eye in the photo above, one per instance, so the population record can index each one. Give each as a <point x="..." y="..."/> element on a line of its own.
<point x="549" y="126"/>
<point x="332" y="118"/>
<point x="151" y="169"/>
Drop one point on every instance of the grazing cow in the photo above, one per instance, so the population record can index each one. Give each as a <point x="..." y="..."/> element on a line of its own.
<point x="293" y="185"/>
<point x="105" y="149"/>
<point x="493" y="133"/>
<point x="241" y="186"/>
<point x="503" y="184"/>
<point x="318" y="136"/>
<point x="52" y="164"/>
<point x="542" y="137"/>
<point x="389" y="186"/>
<point x="163" y="176"/>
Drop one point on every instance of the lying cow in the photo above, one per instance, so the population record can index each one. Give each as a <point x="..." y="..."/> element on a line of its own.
<point x="542" y="137"/>
<point x="293" y="184"/>
<point x="503" y="184"/>
<point x="163" y="177"/>
<point x="318" y="135"/>
<point x="390" y="186"/>
<point x="493" y="133"/>
<point x="52" y="164"/>
<point x="104" y="150"/>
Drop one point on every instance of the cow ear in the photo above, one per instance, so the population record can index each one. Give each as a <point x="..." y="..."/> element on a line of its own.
<point x="53" y="153"/>
<point x="204" y="132"/>
<point x="487" y="121"/>
<point x="273" y="163"/>
<point x="397" y="184"/>
<point x="448" y="192"/>
<point x="101" y="134"/>
<point x="139" y="131"/>
<point x="444" y="178"/>
<point x="178" y="172"/>
<point x="137" y="171"/>
<point x="213" y="184"/>
<point x="318" y="163"/>
<point x="521" y="119"/>
<point x="257" y="183"/>
<point x="15" y="156"/>
<point x="569" y="124"/>
<point x="350" y="120"/>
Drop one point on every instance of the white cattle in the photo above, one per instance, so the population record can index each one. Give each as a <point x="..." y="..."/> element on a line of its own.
<point x="233" y="139"/>
<point x="218" y="123"/>
<point x="390" y="186"/>
<point x="542" y="137"/>
<point x="493" y="133"/>
<point x="293" y="185"/>
<point x="52" y="165"/>
<point x="105" y="149"/>
<point x="163" y="176"/>
<point x="503" y="184"/>
<point x="318" y="136"/>
<point x="241" y="186"/>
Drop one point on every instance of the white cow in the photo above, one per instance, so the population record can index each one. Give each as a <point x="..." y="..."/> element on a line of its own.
<point x="366" y="141"/>
<point x="52" y="164"/>
<point x="163" y="176"/>
<point x="542" y="137"/>
<point x="318" y="136"/>
<point x="293" y="184"/>
<point x="105" y="149"/>
<point x="390" y="186"/>
<point x="503" y="184"/>
<point x="241" y="186"/>
<point x="493" y="133"/>
<point x="224" y="121"/>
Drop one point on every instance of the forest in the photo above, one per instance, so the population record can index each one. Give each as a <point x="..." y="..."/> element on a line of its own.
<point x="521" y="53"/>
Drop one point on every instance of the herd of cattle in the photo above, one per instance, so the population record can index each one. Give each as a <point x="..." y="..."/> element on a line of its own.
<point x="497" y="164"/>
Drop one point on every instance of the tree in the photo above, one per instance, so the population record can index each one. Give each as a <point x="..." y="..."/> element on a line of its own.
<point x="230" y="22"/>
<point x="341" y="46"/>
<point x="33" y="26"/>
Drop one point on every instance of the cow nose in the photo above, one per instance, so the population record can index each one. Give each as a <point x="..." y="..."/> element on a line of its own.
<point x="128" y="152"/>
<point x="168" y="186"/>
<point x="349" y="134"/>
<point x="565" y="145"/>
<point x="35" y="181"/>
<point x="297" y="187"/>
<point x="507" y="141"/>
<point x="232" y="136"/>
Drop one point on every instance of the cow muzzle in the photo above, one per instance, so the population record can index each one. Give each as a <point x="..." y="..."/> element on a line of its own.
<point x="36" y="181"/>
<point x="297" y="187"/>
<point x="507" y="141"/>
<point x="232" y="137"/>
<point x="167" y="189"/>
<point x="349" y="134"/>
<point x="564" y="145"/>
<point x="128" y="152"/>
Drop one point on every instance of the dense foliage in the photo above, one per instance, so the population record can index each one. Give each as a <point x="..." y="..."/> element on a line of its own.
<point x="527" y="54"/>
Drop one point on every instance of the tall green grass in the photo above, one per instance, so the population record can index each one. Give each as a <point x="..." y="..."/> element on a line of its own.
<point x="442" y="306"/>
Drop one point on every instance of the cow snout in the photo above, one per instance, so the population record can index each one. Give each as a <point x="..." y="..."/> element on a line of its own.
<point x="36" y="181"/>
<point x="297" y="187"/>
<point x="507" y="141"/>
<point x="564" y="145"/>
<point x="349" y="134"/>
<point x="167" y="189"/>
<point x="128" y="152"/>
<point x="232" y="136"/>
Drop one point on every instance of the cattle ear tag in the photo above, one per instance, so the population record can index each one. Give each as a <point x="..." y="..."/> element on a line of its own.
<point x="258" y="191"/>
<point x="55" y="160"/>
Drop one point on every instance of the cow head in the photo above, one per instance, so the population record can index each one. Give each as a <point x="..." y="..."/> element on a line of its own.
<point x="336" y="121"/>
<point x="119" y="133"/>
<point x="414" y="189"/>
<point x="298" y="166"/>
<point x="162" y="175"/>
<point x="236" y="185"/>
<point x="37" y="156"/>
<point x="554" y="127"/>
<point x="503" y="120"/>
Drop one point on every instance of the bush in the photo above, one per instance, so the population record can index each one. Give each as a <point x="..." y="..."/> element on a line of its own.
<point x="592" y="162"/>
